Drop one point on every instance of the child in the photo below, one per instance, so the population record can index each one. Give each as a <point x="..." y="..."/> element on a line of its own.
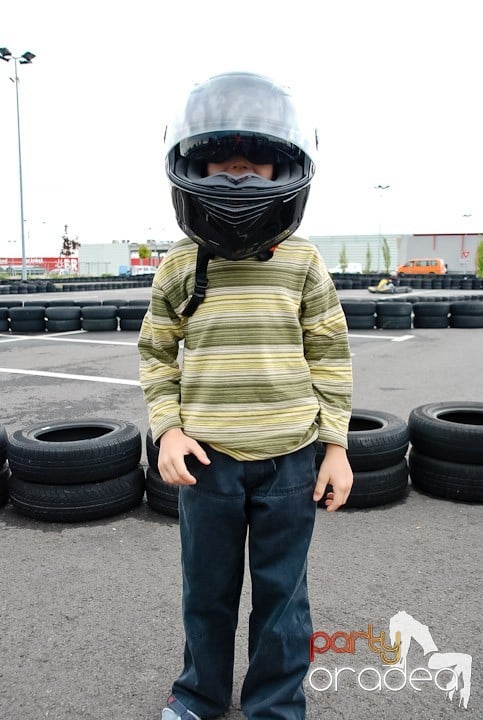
<point x="266" y="372"/>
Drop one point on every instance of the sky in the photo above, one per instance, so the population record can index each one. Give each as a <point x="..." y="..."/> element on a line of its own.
<point x="393" y="87"/>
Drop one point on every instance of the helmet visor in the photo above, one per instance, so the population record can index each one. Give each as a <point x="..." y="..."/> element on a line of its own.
<point x="241" y="102"/>
<point x="220" y="147"/>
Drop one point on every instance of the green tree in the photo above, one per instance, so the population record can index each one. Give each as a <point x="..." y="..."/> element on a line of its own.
<point x="386" y="255"/>
<point x="367" y="267"/>
<point x="144" y="252"/>
<point x="479" y="259"/>
<point x="343" y="258"/>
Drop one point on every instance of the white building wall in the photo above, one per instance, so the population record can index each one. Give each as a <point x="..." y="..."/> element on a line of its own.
<point x="104" y="259"/>
<point x="450" y="247"/>
<point x="356" y="246"/>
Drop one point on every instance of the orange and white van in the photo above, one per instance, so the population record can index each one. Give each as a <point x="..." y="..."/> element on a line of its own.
<point x="423" y="266"/>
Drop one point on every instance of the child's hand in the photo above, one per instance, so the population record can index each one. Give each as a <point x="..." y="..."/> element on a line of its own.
<point x="336" y="471"/>
<point x="174" y="445"/>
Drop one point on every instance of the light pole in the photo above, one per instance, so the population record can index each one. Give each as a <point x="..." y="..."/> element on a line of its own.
<point x="379" y="243"/>
<point x="24" y="59"/>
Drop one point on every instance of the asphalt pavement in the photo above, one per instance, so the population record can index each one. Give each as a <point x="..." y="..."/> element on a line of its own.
<point x="90" y="612"/>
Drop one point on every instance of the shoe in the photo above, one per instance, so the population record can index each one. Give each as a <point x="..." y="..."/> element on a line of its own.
<point x="175" y="710"/>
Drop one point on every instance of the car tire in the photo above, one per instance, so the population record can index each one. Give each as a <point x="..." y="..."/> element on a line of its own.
<point x="431" y="321"/>
<point x="152" y="451"/>
<point x="160" y="496"/>
<point x="378" y="487"/>
<point x="3" y="444"/>
<point x="361" y="307"/>
<point x="466" y="309"/>
<point x="5" y="474"/>
<point x="376" y="440"/>
<point x="451" y="431"/>
<point x="117" y="302"/>
<point x="61" y="326"/>
<point x="109" y="325"/>
<point x="71" y="452"/>
<point x="466" y="321"/>
<point x="360" y="322"/>
<point x="444" y="479"/>
<point x="77" y="503"/>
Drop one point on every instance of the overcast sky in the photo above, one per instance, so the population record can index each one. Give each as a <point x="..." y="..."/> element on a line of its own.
<point x="394" y="87"/>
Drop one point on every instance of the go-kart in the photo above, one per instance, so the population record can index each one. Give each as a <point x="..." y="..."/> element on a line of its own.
<point x="387" y="287"/>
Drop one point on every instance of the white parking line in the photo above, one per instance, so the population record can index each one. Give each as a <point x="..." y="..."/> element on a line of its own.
<point x="62" y="338"/>
<point x="68" y="376"/>
<point x="393" y="338"/>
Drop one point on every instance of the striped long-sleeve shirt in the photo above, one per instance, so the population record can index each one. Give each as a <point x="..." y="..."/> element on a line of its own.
<point x="266" y="365"/>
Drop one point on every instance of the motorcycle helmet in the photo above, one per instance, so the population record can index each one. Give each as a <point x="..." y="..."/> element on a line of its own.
<point x="238" y="216"/>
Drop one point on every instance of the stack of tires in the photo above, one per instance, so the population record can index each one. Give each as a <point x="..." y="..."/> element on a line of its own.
<point x="431" y="314"/>
<point x="4" y="326"/>
<point x="63" y="318"/>
<point x="99" y="317"/>
<point x="394" y="315"/>
<point x="466" y="314"/>
<point x="161" y="497"/>
<point x="446" y="456"/>
<point x="27" y="319"/>
<point x="360" y="314"/>
<point x="377" y="446"/>
<point x="4" y="468"/>
<point x="131" y="317"/>
<point x="71" y="471"/>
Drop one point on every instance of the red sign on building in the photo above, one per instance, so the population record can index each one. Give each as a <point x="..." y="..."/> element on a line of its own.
<point x="50" y="264"/>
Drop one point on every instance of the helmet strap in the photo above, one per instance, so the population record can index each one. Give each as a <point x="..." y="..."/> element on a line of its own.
<point x="203" y="257"/>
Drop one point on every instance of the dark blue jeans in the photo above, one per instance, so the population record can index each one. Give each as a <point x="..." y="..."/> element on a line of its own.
<point x="272" y="501"/>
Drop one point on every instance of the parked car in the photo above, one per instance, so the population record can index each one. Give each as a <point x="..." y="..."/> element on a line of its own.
<point x="423" y="266"/>
<point x="143" y="270"/>
<point x="351" y="268"/>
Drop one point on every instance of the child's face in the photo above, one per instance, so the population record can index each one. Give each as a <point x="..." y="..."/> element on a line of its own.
<point x="239" y="165"/>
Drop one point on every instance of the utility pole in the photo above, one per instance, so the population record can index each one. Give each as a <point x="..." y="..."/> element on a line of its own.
<point x="24" y="59"/>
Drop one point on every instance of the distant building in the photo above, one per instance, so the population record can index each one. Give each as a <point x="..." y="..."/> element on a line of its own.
<point x="357" y="249"/>
<point x="117" y="257"/>
<point x="104" y="259"/>
<point x="158" y="251"/>
<point x="457" y="249"/>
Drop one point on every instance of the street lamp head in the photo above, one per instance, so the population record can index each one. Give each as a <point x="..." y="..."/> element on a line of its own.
<point x="27" y="57"/>
<point x="5" y="54"/>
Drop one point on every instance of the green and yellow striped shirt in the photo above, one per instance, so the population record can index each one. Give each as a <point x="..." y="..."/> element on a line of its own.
<point x="266" y="363"/>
